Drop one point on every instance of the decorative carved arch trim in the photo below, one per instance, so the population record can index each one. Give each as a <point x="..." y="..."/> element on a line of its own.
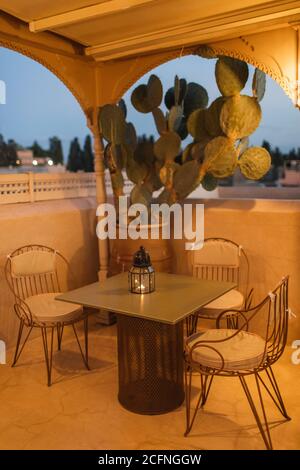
<point x="15" y="46"/>
<point x="208" y="51"/>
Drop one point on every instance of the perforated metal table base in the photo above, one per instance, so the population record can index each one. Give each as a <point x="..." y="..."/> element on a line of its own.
<point x="150" y="356"/>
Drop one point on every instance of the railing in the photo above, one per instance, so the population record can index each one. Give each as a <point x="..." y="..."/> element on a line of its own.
<point x="31" y="187"/>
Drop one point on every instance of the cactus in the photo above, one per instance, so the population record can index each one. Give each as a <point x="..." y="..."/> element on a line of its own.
<point x="175" y="117"/>
<point x="242" y="145"/>
<point x="167" y="173"/>
<point x="187" y="178"/>
<point x="160" y="121"/>
<point x="196" y="97"/>
<point x="195" y="124"/>
<point x="167" y="146"/>
<point x="145" y="98"/>
<point x="231" y="75"/>
<point x="220" y="158"/>
<point x="152" y="180"/>
<point x="130" y="136"/>
<point x="255" y="162"/>
<point x="240" y="116"/>
<point x="220" y="134"/>
<point x="212" y="117"/>
<point x="144" y="152"/>
<point x="180" y="89"/>
<point x="123" y="107"/>
<point x="259" y="84"/>
<point x="209" y="182"/>
<point x="112" y="124"/>
<point x="140" y="194"/>
<point x="182" y="130"/>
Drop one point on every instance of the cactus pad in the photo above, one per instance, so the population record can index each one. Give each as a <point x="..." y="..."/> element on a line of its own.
<point x="259" y="84"/>
<point x="240" y="116"/>
<point x="174" y="118"/>
<point x="195" y="124"/>
<point x="196" y="97"/>
<point x="140" y="194"/>
<point x="209" y="182"/>
<point x="212" y="117"/>
<point x="231" y="75"/>
<point x="112" y="123"/>
<point x="167" y="147"/>
<point x="186" y="179"/>
<point x="255" y="163"/>
<point x="220" y="158"/>
<point x="160" y="120"/>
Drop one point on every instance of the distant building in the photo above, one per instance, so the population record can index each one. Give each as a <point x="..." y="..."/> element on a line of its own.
<point x="25" y="157"/>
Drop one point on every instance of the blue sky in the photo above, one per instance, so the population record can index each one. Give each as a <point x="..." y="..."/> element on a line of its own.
<point x="39" y="106"/>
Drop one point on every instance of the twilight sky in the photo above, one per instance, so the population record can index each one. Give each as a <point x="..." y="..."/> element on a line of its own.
<point x="39" y="106"/>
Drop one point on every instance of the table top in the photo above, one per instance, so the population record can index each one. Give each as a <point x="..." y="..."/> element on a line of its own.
<point x="174" y="298"/>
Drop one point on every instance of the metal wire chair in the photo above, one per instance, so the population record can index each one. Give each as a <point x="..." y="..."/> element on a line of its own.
<point x="212" y="267"/>
<point x="31" y="271"/>
<point x="207" y="357"/>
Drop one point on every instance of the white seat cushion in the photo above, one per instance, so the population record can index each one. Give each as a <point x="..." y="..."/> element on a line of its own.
<point x="45" y="308"/>
<point x="232" y="299"/>
<point x="244" y="351"/>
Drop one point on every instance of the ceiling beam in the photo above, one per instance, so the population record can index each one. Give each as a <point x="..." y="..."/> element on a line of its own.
<point x="82" y="14"/>
<point x="220" y="26"/>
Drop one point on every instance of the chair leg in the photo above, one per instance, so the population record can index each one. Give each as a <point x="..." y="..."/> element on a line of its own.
<point x="48" y="354"/>
<point x="277" y="398"/>
<point x="60" y="330"/>
<point x="84" y="356"/>
<point x="203" y="394"/>
<point x="264" y="433"/>
<point x="19" y="350"/>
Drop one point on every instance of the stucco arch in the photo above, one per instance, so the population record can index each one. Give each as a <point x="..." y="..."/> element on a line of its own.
<point x="15" y="47"/>
<point x="258" y="50"/>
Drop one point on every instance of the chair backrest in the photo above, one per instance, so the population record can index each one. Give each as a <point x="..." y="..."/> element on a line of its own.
<point x="278" y="318"/>
<point x="32" y="270"/>
<point x="219" y="260"/>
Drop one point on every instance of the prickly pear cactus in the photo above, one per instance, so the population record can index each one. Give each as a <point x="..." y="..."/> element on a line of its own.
<point x="212" y="117"/>
<point x="140" y="194"/>
<point x="187" y="178"/>
<point x="259" y="84"/>
<point x="220" y="135"/>
<point x="220" y="158"/>
<point x="167" y="172"/>
<point x="196" y="97"/>
<point x="145" y="98"/>
<point x="209" y="182"/>
<point x="231" y="75"/>
<point x="167" y="146"/>
<point x="255" y="162"/>
<point x="112" y="123"/>
<point x="240" y="116"/>
<point x="196" y="124"/>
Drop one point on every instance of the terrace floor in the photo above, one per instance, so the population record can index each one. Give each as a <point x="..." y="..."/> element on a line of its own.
<point x="81" y="409"/>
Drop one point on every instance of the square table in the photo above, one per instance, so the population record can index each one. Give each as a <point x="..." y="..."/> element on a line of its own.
<point x="150" y="334"/>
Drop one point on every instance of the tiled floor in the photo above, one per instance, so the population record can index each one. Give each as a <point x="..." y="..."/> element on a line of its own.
<point x="81" y="409"/>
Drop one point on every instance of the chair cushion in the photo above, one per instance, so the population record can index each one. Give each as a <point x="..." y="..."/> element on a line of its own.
<point x="242" y="352"/>
<point x="232" y="299"/>
<point x="45" y="308"/>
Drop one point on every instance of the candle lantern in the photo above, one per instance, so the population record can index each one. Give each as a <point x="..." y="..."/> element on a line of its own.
<point x="141" y="276"/>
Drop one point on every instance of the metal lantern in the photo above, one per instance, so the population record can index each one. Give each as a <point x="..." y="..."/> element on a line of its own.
<point x="141" y="276"/>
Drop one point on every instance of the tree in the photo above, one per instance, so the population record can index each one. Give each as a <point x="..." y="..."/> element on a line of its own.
<point x="88" y="156"/>
<point x="37" y="150"/>
<point x="265" y="144"/>
<point x="55" y="150"/>
<point x="8" y="152"/>
<point x="75" y="158"/>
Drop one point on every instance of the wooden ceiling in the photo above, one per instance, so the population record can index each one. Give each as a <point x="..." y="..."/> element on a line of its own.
<point x="113" y="29"/>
